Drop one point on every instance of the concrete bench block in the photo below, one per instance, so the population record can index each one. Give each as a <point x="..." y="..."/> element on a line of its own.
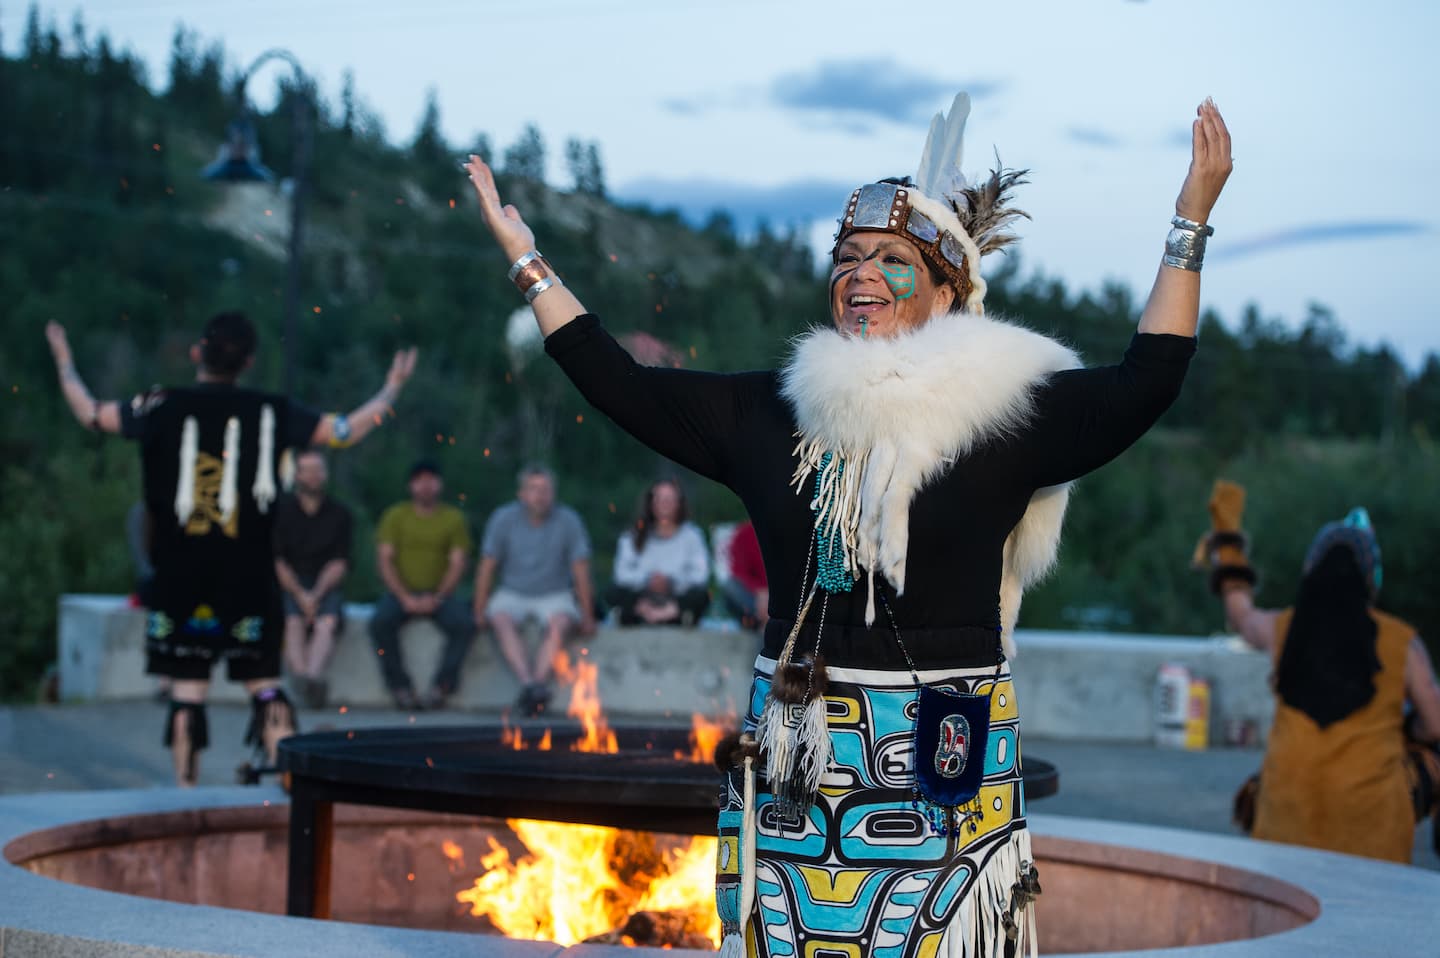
<point x="640" y="672"/>
<point x="1072" y="685"/>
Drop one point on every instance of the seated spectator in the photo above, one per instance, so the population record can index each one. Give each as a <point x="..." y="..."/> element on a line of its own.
<point x="746" y="590"/>
<point x="312" y="556"/>
<point x="421" y="549"/>
<point x="541" y="555"/>
<point x="661" y="565"/>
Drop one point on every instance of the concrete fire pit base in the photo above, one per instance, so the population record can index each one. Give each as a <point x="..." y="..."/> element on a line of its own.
<point x="1109" y="888"/>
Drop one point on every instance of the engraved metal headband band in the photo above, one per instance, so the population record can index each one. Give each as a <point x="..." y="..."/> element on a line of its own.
<point x="888" y="207"/>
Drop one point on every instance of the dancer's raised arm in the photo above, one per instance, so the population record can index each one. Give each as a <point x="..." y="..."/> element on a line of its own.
<point x="1174" y="303"/>
<point x="554" y="305"/>
<point x="101" y="415"/>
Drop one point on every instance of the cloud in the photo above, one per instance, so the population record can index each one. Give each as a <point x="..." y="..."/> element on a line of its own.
<point x="1180" y="137"/>
<point x="1317" y="233"/>
<point x="1093" y="136"/>
<point x="797" y="203"/>
<point x="871" y="89"/>
<point x="683" y="107"/>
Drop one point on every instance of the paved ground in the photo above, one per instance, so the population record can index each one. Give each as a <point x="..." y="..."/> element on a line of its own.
<point x="117" y="745"/>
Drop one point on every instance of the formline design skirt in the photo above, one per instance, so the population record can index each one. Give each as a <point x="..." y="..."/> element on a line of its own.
<point x="864" y="873"/>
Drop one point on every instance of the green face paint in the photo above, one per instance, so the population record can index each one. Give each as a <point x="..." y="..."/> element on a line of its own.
<point x="900" y="277"/>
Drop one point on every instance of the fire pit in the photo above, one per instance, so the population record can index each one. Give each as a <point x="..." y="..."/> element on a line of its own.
<point x="74" y="864"/>
<point x="652" y="780"/>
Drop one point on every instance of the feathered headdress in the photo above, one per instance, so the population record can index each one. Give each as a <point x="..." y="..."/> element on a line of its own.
<point x="951" y="222"/>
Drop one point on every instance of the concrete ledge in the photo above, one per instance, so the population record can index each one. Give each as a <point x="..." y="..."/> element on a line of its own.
<point x="1097" y="687"/>
<point x="1072" y="685"/>
<point x="645" y="672"/>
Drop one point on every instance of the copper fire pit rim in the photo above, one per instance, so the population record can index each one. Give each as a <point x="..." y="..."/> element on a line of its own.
<point x="1351" y="892"/>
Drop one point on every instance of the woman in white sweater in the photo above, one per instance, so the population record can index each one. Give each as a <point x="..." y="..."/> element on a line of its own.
<point x="662" y="566"/>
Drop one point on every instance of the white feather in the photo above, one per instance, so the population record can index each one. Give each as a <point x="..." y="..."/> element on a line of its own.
<point x="940" y="174"/>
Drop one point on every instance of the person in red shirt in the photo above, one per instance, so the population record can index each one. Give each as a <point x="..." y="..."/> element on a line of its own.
<point x="747" y="591"/>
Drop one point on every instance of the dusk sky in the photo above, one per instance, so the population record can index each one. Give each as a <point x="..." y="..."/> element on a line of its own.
<point x="780" y="109"/>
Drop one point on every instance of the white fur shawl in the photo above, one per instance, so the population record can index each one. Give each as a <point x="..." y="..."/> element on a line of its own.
<point x="902" y="410"/>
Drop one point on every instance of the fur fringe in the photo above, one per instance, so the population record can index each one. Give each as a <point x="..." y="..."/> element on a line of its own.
<point x="978" y="928"/>
<point x="795" y="741"/>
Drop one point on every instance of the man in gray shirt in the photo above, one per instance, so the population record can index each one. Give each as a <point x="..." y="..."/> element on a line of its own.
<point x="542" y="556"/>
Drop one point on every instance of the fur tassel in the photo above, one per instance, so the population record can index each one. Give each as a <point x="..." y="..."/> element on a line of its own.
<point x="794" y="683"/>
<point x="795" y="740"/>
<point x="733" y="749"/>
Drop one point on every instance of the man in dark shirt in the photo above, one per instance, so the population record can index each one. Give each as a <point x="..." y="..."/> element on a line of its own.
<point x="209" y="456"/>
<point x="312" y="555"/>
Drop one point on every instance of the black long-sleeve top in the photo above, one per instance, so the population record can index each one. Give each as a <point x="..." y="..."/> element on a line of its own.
<point x="737" y="430"/>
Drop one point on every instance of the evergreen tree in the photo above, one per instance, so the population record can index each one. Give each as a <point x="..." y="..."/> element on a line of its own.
<point x="525" y="158"/>
<point x="347" y="104"/>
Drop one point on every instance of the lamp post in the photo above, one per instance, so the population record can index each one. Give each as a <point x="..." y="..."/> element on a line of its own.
<point x="239" y="161"/>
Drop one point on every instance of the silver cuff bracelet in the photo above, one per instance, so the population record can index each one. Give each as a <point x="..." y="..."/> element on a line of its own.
<point x="1181" y="223"/>
<point x="1185" y="245"/>
<point x="521" y="263"/>
<point x="541" y="287"/>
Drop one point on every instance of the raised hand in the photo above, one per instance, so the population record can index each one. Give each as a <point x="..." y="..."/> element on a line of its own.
<point x="401" y="368"/>
<point x="1210" y="164"/>
<point x="515" y="238"/>
<point x="59" y="344"/>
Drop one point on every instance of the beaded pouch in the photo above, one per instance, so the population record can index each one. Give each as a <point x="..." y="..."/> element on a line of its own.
<point x="951" y="734"/>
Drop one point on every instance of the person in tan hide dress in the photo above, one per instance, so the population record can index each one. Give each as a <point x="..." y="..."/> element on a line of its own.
<point x="1348" y="767"/>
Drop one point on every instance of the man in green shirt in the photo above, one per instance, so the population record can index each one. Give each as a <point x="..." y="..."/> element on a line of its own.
<point x="422" y="545"/>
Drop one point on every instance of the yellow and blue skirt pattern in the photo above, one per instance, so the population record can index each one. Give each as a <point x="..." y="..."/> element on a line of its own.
<point x="864" y="873"/>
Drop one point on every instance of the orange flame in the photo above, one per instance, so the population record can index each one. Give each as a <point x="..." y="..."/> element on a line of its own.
<point x="585" y="707"/>
<point x="581" y="881"/>
<point x="705" y="734"/>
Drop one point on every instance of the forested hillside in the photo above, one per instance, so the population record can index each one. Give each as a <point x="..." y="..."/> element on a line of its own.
<point x="106" y="226"/>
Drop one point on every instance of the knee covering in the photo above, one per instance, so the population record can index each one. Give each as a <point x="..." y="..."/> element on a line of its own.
<point x="197" y="722"/>
<point x="265" y="705"/>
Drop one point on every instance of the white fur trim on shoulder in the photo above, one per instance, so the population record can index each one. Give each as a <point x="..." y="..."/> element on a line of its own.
<point x="945" y="386"/>
<point x="908" y="407"/>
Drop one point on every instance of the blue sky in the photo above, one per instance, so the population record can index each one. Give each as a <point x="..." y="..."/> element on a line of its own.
<point x="780" y="109"/>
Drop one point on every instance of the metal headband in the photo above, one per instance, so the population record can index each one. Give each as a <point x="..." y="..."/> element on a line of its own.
<point x="885" y="207"/>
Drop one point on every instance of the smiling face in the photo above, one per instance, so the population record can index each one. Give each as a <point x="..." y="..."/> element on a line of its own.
<point x="881" y="286"/>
